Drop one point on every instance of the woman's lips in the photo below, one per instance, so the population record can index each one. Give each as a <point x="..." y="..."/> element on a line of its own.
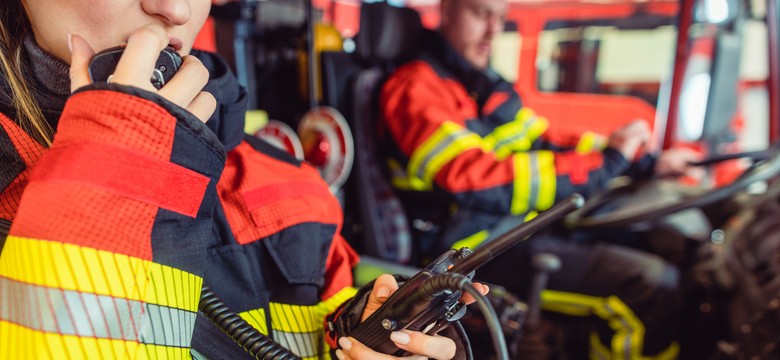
<point x="175" y="43"/>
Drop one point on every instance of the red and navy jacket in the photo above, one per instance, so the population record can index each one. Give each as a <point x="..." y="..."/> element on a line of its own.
<point x="459" y="138"/>
<point x="115" y="228"/>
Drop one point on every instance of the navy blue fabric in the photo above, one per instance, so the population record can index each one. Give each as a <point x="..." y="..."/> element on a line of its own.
<point x="227" y="122"/>
<point x="290" y="262"/>
<point x="12" y="163"/>
<point x="271" y="151"/>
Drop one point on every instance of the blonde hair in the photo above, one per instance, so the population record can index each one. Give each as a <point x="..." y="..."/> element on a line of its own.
<point x="13" y="29"/>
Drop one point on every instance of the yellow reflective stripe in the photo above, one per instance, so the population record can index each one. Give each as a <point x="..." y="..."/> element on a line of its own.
<point x="535" y="181"/>
<point x="670" y="353"/>
<point x="256" y="318"/>
<point x="597" y="350"/>
<point x="299" y="327"/>
<point x="306" y="318"/>
<point x="569" y="303"/>
<point x="547" y="180"/>
<point x="72" y="267"/>
<point x="471" y="241"/>
<point x="629" y="332"/>
<point x="521" y="192"/>
<point x="330" y="304"/>
<point x="517" y="135"/>
<point x="401" y="180"/>
<point x="589" y="142"/>
<point x="17" y="342"/>
<point x="445" y="144"/>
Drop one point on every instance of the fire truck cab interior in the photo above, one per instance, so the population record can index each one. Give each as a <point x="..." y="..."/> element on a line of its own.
<point x="724" y="232"/>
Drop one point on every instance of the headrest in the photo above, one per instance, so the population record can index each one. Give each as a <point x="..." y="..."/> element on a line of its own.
<point x="387" y="33"/>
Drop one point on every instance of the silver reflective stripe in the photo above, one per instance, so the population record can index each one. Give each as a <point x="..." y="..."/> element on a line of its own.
<point x="302" y="344"/>
<point x="517" y="136"/>
<point x="533" y="193"/>
<point x="439" y="148"/>
<point x="71" y="312"/>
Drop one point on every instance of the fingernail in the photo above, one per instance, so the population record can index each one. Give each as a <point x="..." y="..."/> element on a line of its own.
<point x="70" y="42"/>
<point x="382" y="293"/>
<point x="340" y="354"/>
<point x="345" y="343"/>
<point x="400" y="338"/>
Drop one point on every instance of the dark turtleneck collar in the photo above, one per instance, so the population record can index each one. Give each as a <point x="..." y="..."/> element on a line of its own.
<point x="51" y="74"/>
<point x="51" y="88"/>
<point x="478" y="83"/>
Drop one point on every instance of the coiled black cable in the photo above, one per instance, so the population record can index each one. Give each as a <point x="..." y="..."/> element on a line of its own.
<point x="258" y="345"/>
<point x="449" y="281"/>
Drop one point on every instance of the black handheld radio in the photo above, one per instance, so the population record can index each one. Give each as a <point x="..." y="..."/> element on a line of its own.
<point x="430" y="300"/>
<point x="103" y="65"/>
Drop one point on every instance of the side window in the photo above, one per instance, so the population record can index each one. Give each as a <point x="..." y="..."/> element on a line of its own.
<point x="628" y="56"/>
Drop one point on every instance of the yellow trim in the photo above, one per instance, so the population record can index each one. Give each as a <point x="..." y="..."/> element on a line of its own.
<point x="526" y="128"/>
<point x="307" y="320"/>
<point x="429" y="158"/>
<point x="471" y="241"/>
<point x="670" y="353"/>
<point x="401" y="180"/>
<point x="18" y="342"/>
<point x="256" y="318"/>
<point x="72" y="267"/>
<point x="521" y="186"/>
<point x="547" y="180"/>
<point x="569" y="303"/>
<point x="597" y="350"/>
<point x="538" y="128"/>
<point x="629" y="332"/>
<point x="590" y="142"/>
<point x="297" y="318"/>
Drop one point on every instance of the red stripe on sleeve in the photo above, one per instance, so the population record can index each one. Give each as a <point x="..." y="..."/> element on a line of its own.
<point x="268" y="194"/>
<point x="577" y="167"/>
<point x="128" y="173"/>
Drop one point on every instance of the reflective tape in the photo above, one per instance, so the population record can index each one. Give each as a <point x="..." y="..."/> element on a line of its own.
<point x="69" y="312"/>
<point x="446" y="143"/>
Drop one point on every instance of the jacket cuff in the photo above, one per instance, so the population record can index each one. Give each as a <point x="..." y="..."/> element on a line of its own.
<point x="614" y="162"/>
<point x="126" y="115"/>
<point x="643" y="168"/>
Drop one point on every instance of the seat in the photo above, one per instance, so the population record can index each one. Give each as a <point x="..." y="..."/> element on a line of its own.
<point x="351" y="83"/>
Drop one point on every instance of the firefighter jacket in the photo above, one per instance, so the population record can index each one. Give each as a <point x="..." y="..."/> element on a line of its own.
<point x="137" y="204"/>
<point x="458" y="138"/>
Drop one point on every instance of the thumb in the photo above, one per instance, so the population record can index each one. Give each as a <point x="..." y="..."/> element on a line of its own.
<point x="80" y="55"/>
<point x="384" y="286"/>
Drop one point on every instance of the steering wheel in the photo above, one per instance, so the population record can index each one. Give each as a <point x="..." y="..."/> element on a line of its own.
<point x="642" y="201"/>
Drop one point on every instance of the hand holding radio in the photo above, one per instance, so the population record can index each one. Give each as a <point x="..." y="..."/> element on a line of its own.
<point x="431" y="299"/>
<point x="413" y="342"/>
<point x="139" y="61"/>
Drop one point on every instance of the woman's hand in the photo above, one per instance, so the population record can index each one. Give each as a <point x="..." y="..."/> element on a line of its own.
<point x="136" y="66"/>
<point x="424" y="346"/>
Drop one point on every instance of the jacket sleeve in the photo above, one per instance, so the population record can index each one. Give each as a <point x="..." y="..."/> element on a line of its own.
<point x="497" y="171"/>
<point x="102" y="259"/>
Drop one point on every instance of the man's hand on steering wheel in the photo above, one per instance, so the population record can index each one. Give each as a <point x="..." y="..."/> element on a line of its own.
<point x="677" y="162"/>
